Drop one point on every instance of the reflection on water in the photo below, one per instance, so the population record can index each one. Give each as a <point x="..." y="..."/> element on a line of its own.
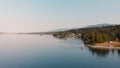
<point x="99" y="52"/>
<point x="103" y="52"/>
<point x="118" y="51"/>
<point x="34" y="51"/>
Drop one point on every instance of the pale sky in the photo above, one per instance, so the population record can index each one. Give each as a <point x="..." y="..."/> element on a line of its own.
<point x="45" y="15"/>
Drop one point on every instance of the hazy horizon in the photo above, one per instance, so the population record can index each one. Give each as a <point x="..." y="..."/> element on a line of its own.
<point x="47" y="15"/>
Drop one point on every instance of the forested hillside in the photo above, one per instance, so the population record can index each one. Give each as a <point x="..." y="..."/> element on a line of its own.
<point x="93" y="35"/>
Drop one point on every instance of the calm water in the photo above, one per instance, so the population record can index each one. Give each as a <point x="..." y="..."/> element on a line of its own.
<point x="34" y="51"/>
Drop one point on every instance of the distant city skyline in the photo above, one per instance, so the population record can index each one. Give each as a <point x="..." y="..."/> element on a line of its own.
<point x="47" y="15"/>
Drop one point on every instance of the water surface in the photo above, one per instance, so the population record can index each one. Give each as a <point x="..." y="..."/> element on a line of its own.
<point x="34" y="51"/>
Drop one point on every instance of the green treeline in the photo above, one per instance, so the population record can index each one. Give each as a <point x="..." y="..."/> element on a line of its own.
<point x="102" y="34"/>
<point x="94" y="35"/>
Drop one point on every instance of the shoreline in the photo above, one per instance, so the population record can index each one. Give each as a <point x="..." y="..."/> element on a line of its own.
<point x="106" y="45"/>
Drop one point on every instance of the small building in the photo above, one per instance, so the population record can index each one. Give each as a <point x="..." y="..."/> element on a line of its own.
<point x="71" y="35"/>
<point x="110" y="41"/>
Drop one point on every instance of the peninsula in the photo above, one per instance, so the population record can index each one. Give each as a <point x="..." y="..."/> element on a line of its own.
<point x="95" y="37"/>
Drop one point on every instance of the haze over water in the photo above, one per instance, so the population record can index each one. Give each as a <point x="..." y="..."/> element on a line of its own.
<point x="34" y="51"/>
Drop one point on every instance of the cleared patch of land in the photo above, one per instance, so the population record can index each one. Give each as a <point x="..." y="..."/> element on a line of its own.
<point x="107" y="45"/>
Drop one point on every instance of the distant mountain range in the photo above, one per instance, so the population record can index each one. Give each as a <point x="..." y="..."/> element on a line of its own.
<point x="58" y="30"/>
<point x="98" y="25"/>
<point x="64" y="29"/>
<point x="90" y="26"/>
